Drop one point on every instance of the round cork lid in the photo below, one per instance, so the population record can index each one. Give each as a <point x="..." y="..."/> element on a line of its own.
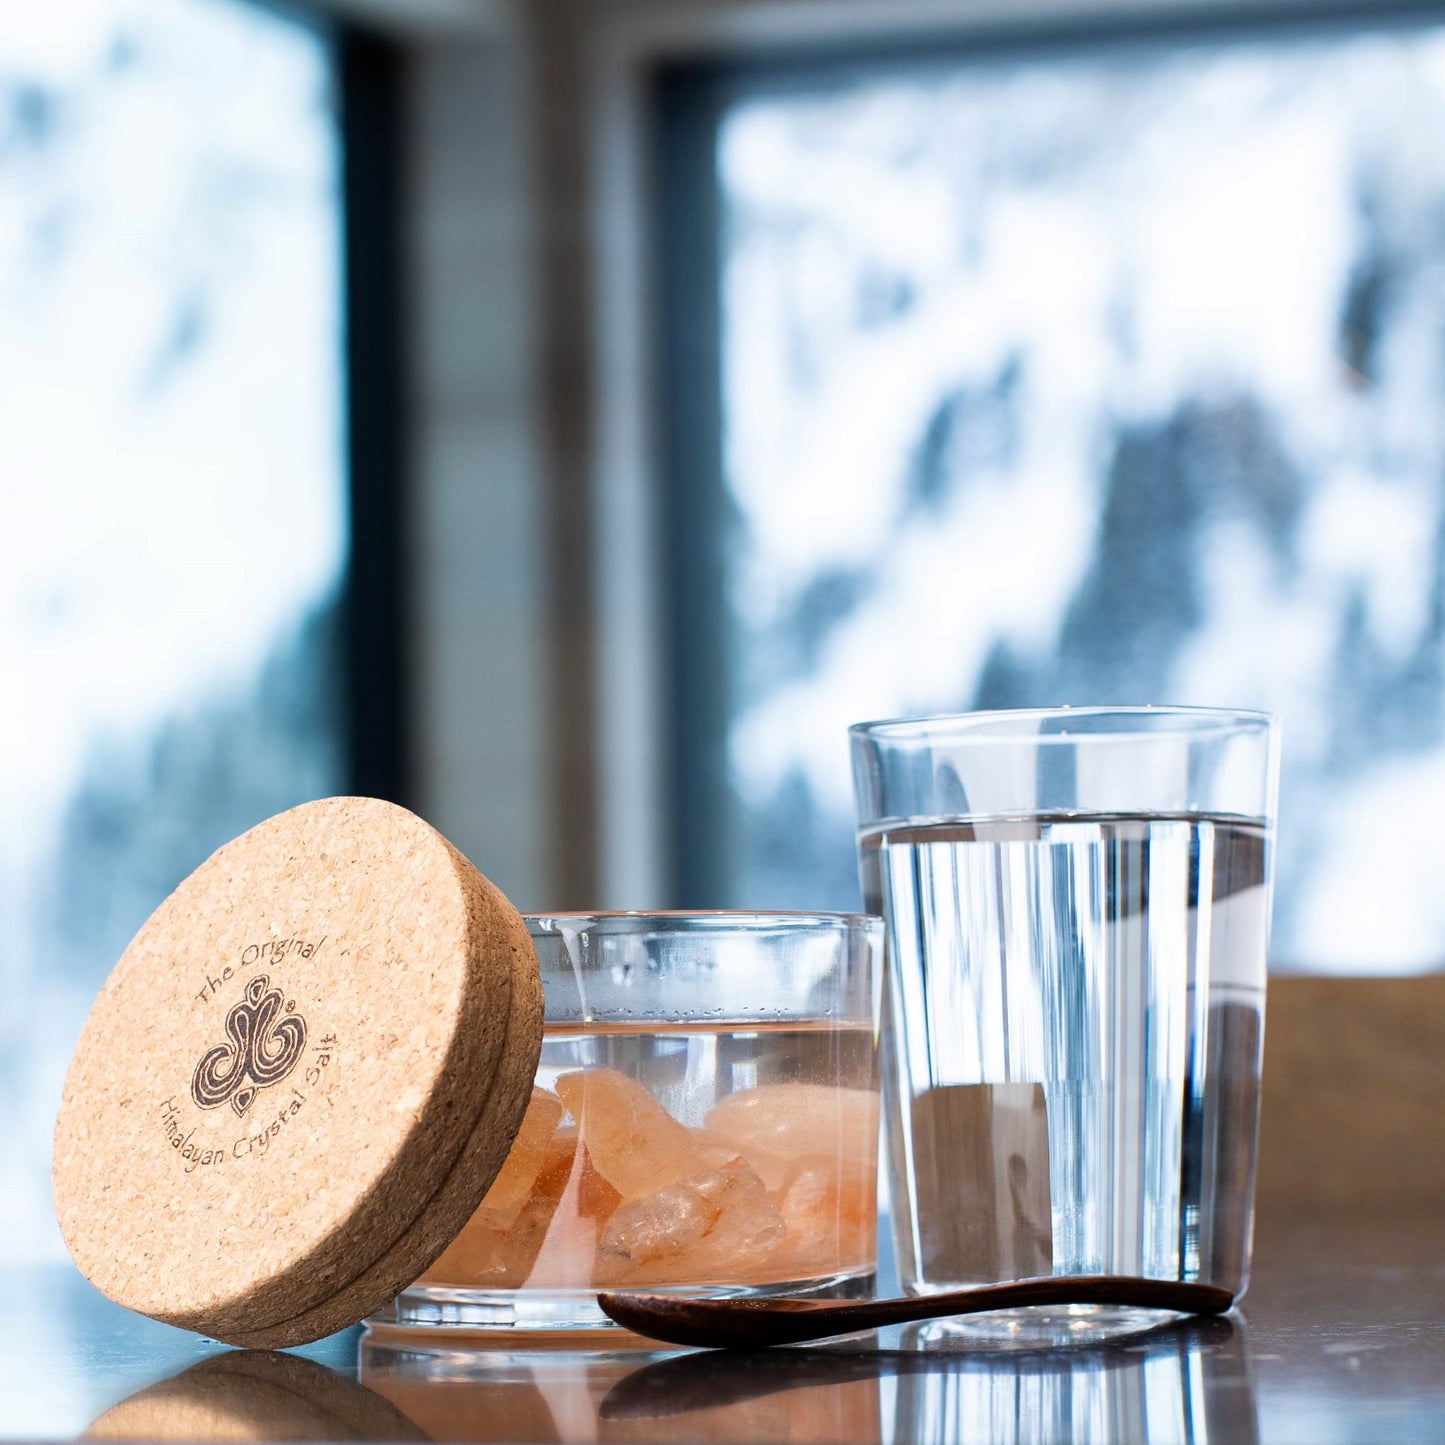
<point x="300" y="1079"/>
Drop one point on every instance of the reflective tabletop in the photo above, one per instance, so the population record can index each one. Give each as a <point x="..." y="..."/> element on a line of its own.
<point x="1340" y="1338"/>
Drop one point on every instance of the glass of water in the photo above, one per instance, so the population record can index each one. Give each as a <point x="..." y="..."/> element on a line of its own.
<point x="1077" y="904"/>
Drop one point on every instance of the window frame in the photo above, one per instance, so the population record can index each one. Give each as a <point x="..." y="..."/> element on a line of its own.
<point x="368" y="68"/>
<point x="369" y="71"/>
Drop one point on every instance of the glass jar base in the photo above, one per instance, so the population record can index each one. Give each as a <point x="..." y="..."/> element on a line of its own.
<point x="510" y="1313"/>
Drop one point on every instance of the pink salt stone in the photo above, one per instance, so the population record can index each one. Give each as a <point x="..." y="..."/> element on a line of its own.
<point x="633" y="1142"/>
<point x="498" y="1248"/>
<point x="791" y="1120"/>
<point x="513" y="1185"/>
<point x="715" y="1226"/>
<point x="830" y="1209"/>
<point x="566" y="1257"/>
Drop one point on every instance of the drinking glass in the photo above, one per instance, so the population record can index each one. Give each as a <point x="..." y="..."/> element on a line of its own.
<point x="1077" y="913"/>
<point x="704" y="1118"/>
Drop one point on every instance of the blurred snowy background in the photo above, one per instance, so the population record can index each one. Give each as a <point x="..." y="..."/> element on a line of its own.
<point x="1105" y="374"/>
<point x="172" y="489"/>
<point x="1108" y="377"/>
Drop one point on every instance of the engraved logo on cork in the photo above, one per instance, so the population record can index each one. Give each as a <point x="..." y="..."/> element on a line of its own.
<point x="266" y="1040"/>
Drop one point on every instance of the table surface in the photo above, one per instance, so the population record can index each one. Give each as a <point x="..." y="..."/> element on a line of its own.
<point x="1340" y="1338"/>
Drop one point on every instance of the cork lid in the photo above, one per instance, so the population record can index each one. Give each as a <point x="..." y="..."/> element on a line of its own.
<point x="300" y="1079"/>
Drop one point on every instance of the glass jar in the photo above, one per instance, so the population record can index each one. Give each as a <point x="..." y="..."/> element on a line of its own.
<point x="704" y="1119"/>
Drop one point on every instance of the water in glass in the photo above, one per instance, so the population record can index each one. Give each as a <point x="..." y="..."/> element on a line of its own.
<point x="1079" y="1094"/>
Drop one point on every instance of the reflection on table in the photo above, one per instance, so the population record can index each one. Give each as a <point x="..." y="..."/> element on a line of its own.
<point x="567" y="1395"/>
<point x="255" y="1395"/>
<point x="1187" y="1381"/>
<point x="1191" y="1381"/>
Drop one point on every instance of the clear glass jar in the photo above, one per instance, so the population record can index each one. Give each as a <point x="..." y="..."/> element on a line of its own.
<point x="704" y="1119"/>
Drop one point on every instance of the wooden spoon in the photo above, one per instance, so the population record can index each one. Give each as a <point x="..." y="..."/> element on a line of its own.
<point x="751" y="1323"/>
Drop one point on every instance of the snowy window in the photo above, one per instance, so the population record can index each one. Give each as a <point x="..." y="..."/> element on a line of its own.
<point x="1113" y="375"/>
<point x="173" y="516"/>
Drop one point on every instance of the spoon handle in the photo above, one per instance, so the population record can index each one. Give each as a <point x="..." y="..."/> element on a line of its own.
<point x="750" y="1323"/>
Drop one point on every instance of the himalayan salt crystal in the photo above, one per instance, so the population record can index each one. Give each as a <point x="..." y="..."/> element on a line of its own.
<point x="772" y="1169"/>
<point x="498" y="1248"/>
<point x="596" y="1198"/>
<point x="512" y="1187"/>
<point x="792" y="1120"/>
<point x="565" y="1258"/>
<point x="830" y="1208"/>
<point x="635" y="1144"/>
<point x="715" y="1226"/>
